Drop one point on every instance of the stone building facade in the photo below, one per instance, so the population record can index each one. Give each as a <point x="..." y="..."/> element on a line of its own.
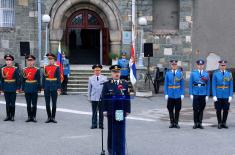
<point x="169" y="27"/>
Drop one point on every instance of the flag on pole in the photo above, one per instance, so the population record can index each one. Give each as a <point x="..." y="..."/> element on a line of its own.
<point x="132" y="66"/>
<point x="60" y="63"/>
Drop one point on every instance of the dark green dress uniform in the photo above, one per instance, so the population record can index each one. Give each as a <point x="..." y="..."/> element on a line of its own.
<point x="51" y="83"/>
<point x="116" y="101"/>
<point x="10" y="83"/>
<point x="31" y="85"/>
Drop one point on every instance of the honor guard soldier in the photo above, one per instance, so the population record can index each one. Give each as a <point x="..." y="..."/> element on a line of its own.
<point x="66" y="67"/>
<point x="116" y="101"/>
<point x="199" y="91"/>
<point x="124" y="63"/>
<point x="174" y="93"/>
<point x="222" y="89"/>
<point x="31" y="85"/>
<point x="11" y="85"/>
<point x="95" y="86"/>
<point x="51" y="85"/>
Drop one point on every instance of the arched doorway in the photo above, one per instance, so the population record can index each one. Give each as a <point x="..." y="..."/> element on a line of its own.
<point x="87" y="38"/>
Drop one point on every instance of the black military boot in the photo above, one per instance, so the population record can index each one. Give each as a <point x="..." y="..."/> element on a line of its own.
<point x="218" y="114"/>
<point x="195" y="118"/>
<point x="13" y="113"/>
<point x="225" y="116"/>
<point x="176" y="125"/>
<point x="200" y="120"/>
<point x="8" y="118"/>
<point x="48" y="114"/>
<point x="53" y="115"/>
<point x="171" y="120"/>
<point x="34" y="110"/>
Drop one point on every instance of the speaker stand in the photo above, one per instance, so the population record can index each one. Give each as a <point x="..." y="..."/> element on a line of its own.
<point x="148" y="76"/>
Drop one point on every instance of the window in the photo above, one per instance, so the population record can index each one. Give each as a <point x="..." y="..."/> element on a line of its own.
<point x="77" y="20"/>
<point x="165" y="15"/>
<point x="7" y="13"/>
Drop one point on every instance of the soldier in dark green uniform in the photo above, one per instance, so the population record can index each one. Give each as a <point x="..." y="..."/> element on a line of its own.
<point x="10" y="85"/>
<point x="51" y="84"/>
<point x="31" y="86"/>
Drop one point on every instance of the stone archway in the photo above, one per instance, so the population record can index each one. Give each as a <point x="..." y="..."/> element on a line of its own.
<point x="107" y="10"/>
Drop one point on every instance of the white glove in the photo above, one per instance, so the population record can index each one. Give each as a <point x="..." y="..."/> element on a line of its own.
<point x="207" y="98"/>
<point x="68" y="75"/>
<point x="230" y="99"/>
<point x="191" y="97"/>
<point x="182" y="97"/>
<point x="215" y="99"/>
<point x="166" y="97"/>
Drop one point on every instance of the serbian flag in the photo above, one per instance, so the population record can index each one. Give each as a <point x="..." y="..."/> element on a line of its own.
<point x="132" y="66"/>
<point x="60" y="63"/>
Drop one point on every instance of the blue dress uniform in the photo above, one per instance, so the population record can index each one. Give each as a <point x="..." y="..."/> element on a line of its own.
<point x="124" y="63"/>
<point x="116" y="101"/>
<point x="222" y="89"/>
<point x="95" y="86"/>
<point x="66" y="67"/>
<point x="199" y="90"/>
<point x="31" y="85"/>
<point x="51" y="83"/>
<point x="174" y="93"/>
<point x="10" y="83"/>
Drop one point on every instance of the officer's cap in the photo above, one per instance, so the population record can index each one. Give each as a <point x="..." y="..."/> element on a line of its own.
<point x="223" y="62"/>
<point x="174" y="62"/>
<point x="200" y="62"/>
<point x="9" y="56"/>
<point x="97" y="66"/>
<point x="30" y="57"/>
<point x="115" y="68"/>
<point x="51" y="55"/>
<point x="123" y="53"/>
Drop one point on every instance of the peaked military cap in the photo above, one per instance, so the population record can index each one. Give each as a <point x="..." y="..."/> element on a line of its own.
<point x="9" y="56"/>
<point x="30" y="57"/>
<point x="200" y="62"/>
<point x="97" y="66"/>
<point x="223" y="62"/>
<point x="174" y="62"/>
<point x="115" y="68"/>
<point x="51" y="55"/>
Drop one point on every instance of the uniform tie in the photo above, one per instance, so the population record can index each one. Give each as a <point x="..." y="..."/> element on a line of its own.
<point x="174" y="72"/>
<point x="97" y="78"/>
<point x="116" y="82"/>
<point x="223" y="73"/>
<point x="200" y="73"/>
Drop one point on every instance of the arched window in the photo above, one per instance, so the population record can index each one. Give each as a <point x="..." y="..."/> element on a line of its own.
<point x="85" y="19"/>
<point x="7" y="13"/>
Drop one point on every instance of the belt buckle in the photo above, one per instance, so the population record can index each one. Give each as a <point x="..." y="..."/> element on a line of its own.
<point x="199" y="85"/>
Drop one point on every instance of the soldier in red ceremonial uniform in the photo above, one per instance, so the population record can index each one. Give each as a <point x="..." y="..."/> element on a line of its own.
<point x="31" y="86"/>
<point x="52" y="86"/>
<point x="10" y="85"/>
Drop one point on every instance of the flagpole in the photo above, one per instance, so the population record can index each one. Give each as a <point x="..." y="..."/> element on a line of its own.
<point x="133" y="23"/>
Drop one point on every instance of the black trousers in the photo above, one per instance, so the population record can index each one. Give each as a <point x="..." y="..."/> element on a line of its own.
<point x="10" y="98"/>
<point x="51" y="95"/>
<point x="174" y="107"/>
<point x="199" y="104"/>
<point x="64" y="84"/>
<point x="222" y="105"/>
<point x="97" y="106"/>
<point x="31" y="100"/>
<point x="116" y="137"/>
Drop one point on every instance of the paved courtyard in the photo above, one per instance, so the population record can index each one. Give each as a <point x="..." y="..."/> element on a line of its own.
<point x="147" y="130"/>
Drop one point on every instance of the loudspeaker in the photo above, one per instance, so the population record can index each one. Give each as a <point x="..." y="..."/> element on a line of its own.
<point x="148" y="49"/>
<point x="24" y="48"/>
